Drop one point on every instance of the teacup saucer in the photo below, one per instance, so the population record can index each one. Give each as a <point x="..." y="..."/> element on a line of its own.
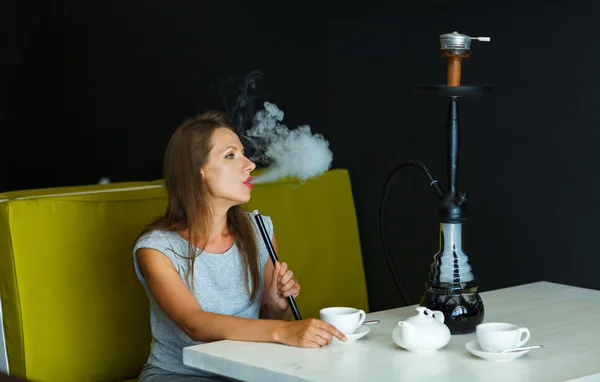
<point x="360" y="332"/>
<point x="474" y="348"/>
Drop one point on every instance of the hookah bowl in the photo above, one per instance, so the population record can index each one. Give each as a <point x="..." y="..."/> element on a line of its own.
<point x="451" y="287"/>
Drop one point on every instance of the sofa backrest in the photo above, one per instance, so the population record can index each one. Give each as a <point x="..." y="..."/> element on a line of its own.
<point x="72" y="308"/>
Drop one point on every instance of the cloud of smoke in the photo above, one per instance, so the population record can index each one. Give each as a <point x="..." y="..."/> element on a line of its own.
<point x="295" y="153"/>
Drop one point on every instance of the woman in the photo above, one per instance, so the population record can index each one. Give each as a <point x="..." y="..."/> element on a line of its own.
<point x="203" y="264"/>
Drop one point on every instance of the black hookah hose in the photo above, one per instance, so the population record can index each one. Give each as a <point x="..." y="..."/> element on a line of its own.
<point x="382" y="236"/>
<point x="273" y="255"/>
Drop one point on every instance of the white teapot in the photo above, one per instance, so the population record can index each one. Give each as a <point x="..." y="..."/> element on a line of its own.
<point x="422" y="333"/>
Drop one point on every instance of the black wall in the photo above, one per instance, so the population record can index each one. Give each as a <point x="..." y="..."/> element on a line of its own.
<point x="92" y="89"/>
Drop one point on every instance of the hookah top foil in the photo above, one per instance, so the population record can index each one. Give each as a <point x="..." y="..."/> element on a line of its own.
<point x="458" y="41"/>
<point x="455" y="47"/>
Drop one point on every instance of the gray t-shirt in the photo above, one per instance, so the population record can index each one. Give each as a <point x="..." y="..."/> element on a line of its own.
<point x="219" y="287"/>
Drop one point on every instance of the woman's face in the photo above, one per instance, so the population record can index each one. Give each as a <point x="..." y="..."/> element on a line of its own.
<point x="227" y="172"/>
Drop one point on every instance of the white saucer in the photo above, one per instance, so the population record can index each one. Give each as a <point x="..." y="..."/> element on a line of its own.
<point x="360" y="332"/>
<point x="474" y="348"/>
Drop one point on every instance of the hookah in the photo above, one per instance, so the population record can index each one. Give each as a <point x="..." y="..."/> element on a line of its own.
<point x="451" y="287"/>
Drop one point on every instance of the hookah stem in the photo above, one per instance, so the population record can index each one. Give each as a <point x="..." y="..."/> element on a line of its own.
<point x="273" y="255"/>
<point x="382" y="200"/>
<point x="453" y="136"/>
<point x="453" y="79"/>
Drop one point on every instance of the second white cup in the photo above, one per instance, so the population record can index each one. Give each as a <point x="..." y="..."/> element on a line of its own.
<point x="346" y="320"/>
<point x="495" y="337"/>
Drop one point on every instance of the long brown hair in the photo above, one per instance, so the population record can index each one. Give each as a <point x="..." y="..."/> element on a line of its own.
<point x="187" y="152"/>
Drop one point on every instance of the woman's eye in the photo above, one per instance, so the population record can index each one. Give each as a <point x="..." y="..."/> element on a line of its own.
<point x="229" y="156"/>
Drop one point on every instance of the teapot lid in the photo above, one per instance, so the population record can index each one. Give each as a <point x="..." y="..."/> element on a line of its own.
<point x="424" y="316"/>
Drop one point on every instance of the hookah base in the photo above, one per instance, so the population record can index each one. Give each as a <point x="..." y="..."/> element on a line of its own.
<point x="462" y="311"/>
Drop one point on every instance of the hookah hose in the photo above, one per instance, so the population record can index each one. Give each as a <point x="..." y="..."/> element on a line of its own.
<point x="273" y="255"/>
<point x="382" y="200"/>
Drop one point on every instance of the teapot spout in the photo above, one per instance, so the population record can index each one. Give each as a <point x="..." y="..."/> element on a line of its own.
<point x="407" y="327"/>
<point x="404" y="333"/>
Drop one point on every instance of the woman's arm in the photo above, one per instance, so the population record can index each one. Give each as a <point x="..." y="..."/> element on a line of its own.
<point x="181" y="306"/>
<point x="178" y="302"/>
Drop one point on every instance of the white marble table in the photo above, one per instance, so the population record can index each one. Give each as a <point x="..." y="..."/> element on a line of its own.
<point x="564" y="319"/>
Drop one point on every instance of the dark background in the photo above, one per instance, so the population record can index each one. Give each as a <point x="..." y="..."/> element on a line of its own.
<point x="95" y="88"/>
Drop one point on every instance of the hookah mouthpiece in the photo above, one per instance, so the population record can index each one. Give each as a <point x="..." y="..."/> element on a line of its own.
<point x="456" y="46"/>
<point x="273" y="255"/>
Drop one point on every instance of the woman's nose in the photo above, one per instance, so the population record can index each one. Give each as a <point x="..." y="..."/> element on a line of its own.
<point x="250" y="166"/>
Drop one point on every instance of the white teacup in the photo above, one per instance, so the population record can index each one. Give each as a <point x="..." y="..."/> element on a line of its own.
<point x="346" y="320"/>
<point x="495" y="337"/>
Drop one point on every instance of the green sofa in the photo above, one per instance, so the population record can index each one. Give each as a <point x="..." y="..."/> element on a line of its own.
<point x="72" y="308"/>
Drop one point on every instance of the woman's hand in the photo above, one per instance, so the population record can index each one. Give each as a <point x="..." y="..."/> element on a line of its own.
<point x="283" y="284"/>
<point x="310" y="333"/>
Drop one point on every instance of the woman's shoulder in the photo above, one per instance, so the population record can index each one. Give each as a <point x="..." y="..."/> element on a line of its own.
<point x="158" y="239"/>
<point x="157" y="234"/>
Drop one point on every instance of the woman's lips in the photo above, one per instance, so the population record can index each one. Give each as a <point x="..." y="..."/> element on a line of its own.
<point x="247" y="182"/>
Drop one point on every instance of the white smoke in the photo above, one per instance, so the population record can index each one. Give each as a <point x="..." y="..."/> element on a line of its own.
<point x="293" y="153"/>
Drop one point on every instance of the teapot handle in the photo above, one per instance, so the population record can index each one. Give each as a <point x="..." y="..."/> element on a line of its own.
<point x="438" y="315"/>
